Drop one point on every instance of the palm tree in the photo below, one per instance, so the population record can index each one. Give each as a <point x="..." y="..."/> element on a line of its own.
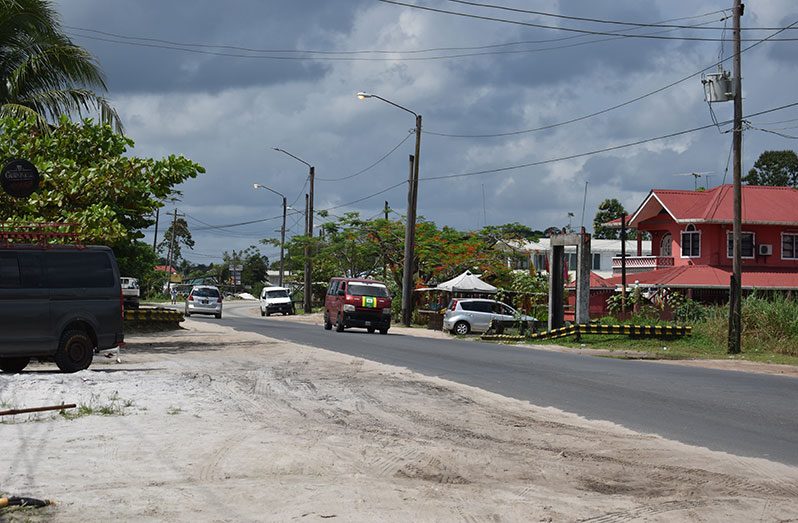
<point x="42" y="73"/>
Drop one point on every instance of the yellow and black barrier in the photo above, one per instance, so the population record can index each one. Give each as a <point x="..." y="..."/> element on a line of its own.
<point x="153" y="315"/>
<point x="640" y="331"/>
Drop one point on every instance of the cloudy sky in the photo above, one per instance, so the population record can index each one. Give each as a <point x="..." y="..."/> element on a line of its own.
<point x="224" y="82"/>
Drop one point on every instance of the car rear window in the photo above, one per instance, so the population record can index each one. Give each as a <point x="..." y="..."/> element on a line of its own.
<point x="205" y="293"/>
<point x="478" y="306"/>
<point x="282" y="293"/>
<point x="368" y="289"/>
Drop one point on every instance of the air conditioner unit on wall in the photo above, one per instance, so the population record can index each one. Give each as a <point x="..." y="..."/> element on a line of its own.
<point x="765" y="249"/>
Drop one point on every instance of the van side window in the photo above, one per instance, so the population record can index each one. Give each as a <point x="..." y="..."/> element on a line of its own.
<point x="30" y="267"/>
<point x="333" y="287"/>
<point x="9" y="271"/>
<point x="79" y="269"/>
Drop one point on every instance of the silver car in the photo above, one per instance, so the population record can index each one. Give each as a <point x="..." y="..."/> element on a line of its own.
<point x="466" y="315"/>
<point x="204" y="299"/>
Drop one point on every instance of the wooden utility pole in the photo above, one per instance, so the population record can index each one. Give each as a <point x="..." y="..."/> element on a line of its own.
<point x="155" y="236"/>
<point x="384" y="258"/>
<point x="170" y="257"/>
<point x="623" y="265"/>
<point x="735" y="287"/>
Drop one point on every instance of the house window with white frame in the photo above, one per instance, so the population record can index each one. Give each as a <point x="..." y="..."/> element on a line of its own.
<point x="691" y="242"/>
<point x="789" y="246"/>
<point x="746" y="244"/>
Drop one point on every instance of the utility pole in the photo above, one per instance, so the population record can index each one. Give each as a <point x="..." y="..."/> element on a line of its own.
<point x="623" y="265"/>
<point x="169" y="258"/>
<point x="735" y="288"/>
<point x="155" y="237"/>
<point x="308" y="263"/>
<point x="384" y="260"/>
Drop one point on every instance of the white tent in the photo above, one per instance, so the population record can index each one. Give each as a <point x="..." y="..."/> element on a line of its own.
<point x="466" y="282"/>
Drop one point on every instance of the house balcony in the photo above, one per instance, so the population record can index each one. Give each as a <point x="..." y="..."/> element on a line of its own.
<point x="641" y="264"/>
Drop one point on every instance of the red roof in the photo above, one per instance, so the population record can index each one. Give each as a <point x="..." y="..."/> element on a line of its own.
<point x="596" y="282"/>
<point x="705" y="276"/>
<point x="760" y="205"/>
<point x="165" y="268"/>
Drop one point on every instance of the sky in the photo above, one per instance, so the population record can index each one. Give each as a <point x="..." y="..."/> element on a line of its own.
<point x="223" y="83"/>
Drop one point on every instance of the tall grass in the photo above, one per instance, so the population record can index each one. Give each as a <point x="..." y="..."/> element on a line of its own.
<point x="769" y="324"/>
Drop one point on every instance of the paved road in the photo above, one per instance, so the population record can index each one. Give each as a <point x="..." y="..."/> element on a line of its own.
<point x="737" y="412"/>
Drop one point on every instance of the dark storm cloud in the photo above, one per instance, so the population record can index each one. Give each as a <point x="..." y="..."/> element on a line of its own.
<point x="278" y="24"/>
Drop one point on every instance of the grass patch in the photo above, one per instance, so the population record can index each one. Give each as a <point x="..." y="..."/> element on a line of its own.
<point x="115" y="406"/>
<point x="173" y="411"/>
<point x="770" y="335"/>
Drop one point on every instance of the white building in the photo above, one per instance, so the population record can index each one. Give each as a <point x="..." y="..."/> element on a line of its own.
<point x="602" y="252"/>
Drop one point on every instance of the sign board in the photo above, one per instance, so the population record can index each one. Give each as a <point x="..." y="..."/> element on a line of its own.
<point x="19" y="178"/>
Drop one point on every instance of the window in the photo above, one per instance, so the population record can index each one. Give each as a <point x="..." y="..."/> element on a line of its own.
<point x="746" y="244"/>
<point x="368" y="289"/>
<point x="570" y="259"/>
<point x="691" y="242"/>
<point x="79" y="269"/>
<point x="540" y="262"/>
<point x="282" y="293"/>
<point x="520" y="261"/>
<point x="596" y="261"/>
<point x="789" y="246"/>
<point x="205" y="292"/>
<point x="333" y="288"/>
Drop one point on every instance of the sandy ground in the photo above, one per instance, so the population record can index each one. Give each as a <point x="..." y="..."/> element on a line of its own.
<point x="207" y="424"/>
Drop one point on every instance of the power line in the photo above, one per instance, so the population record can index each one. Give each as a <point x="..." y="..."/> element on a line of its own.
<point x="596" y="151"/>
<point x="560" y="28"/>
<point x="386" y="155"/>
<point x="612" y="108"/>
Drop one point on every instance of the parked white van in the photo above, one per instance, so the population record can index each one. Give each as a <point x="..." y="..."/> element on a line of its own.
<point x="276" y="299"/>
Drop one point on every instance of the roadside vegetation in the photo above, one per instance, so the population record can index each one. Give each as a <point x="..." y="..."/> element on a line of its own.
<point x="770" y="333"/>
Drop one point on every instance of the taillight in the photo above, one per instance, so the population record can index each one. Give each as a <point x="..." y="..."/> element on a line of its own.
<point x="453" y="305"/>
<point x="190" y="297"/>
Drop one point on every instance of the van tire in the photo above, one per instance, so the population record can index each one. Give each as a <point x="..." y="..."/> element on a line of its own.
<point x="75" y="351"/>
<point x="218" y="316"/>
<point x="371" y="330"/>
<point x="383" y="331"/>
<point x="268" y="313"/>
<point x="13" y="365"/>
<point x="339" y="325"/>
<point x="262" y="312"/>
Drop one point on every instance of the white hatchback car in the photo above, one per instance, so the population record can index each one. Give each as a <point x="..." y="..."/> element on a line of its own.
<point x="204" y="299"/>
<point x="466" y="315"/>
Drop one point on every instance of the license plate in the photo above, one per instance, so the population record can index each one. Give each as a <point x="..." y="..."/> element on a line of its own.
<point x="368" y="324"/>
<point x="204" y="302"/>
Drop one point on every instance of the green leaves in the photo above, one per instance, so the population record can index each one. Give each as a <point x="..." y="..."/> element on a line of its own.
<point x="87" y="177"/>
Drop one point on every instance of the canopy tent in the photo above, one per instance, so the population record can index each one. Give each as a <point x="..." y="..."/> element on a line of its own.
<point x="467" y="282"/>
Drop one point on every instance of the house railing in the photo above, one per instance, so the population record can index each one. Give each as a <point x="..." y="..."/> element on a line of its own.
<point x="641" y="263"/>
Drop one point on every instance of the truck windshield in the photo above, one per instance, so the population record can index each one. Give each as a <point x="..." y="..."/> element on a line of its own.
<point x="368" y="289"/>
<point x="282" y="293"/>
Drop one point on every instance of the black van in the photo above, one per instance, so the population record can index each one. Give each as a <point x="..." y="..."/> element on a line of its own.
<point x="58" y="303"/>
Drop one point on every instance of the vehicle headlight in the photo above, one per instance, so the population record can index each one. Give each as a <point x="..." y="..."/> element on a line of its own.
<point x="349" y="308"/>
<point x="386" y="311"/>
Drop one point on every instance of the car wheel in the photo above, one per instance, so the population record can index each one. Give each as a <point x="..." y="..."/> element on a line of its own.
<point x="383" y="331"/>
<point x="268" y="313"/>
<point x="75" y="351"/>
<point x="262" y="312"/>
<point x="339" y="325"/>
<point x="13" y="365"/>
<point x="292" y="311"/>
<point x="218" y="316"/>
<point x="371" y="330"/>
<point x="327" y="323"/>
<point x="461" y="328"/>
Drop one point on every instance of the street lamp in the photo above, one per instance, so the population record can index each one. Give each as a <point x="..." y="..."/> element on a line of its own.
<point x="308" y="232"/>
<point x="282" y="229"/>
<point x="410" y="226"/>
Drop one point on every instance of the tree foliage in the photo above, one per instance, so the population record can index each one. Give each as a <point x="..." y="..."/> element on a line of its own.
<point x="608" y="210"/>
<point x="89" y="178"/>
<point x="778" y="168"/>
<point x="178" y="229"/>
<point x="44" y="74"/>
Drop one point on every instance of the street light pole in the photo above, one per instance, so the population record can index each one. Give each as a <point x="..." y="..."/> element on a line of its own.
<point x="410" y="226"/>
<point x="282" y="229"/>
<point x="308" y="306"/>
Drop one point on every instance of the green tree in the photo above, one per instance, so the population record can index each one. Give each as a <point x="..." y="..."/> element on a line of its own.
<point x="177" y="230"/>
<point x="45" y="74"/>
<point x="779" y="168"/>
<point x="255" y="267"/>
<point x="608" y="210"/>
<point x="89" y="178"/>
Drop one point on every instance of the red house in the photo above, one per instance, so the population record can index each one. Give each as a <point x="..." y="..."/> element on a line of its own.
<point x="691" y="233"/>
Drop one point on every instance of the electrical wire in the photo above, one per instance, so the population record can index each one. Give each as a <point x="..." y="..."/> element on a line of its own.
<point x="612" y="108"/>
<point x="596" y="151"/>
<point x="560" y="28"/>
<point x="386" y="155"/>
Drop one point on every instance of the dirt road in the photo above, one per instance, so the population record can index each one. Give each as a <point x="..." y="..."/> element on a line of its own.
<point x="210" y="425"/>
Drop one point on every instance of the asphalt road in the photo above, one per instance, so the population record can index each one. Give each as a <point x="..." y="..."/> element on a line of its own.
<point x="737" y="412"/>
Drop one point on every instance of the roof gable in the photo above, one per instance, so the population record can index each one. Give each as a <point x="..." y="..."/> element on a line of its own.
<point x="764" y="205"/>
